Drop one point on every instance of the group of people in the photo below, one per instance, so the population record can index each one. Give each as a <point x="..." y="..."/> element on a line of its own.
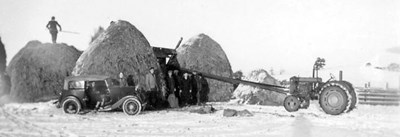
<point x="187" y="88"/>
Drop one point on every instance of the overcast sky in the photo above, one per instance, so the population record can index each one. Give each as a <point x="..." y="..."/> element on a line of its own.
<point x="283" y="34"/>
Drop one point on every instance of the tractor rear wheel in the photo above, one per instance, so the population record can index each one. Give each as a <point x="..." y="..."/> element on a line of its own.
<point x="291" y="103"/>
<point x="353" y="95"/>
<point x="334" y="99"/>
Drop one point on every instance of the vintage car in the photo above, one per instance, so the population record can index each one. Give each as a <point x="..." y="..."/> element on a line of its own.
<point x="99" y="92"/>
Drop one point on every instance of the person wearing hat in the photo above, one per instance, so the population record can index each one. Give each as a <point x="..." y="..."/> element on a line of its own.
<point x="52" y="26"/>
<point x="170" y="83"/>
<point x="186" y="89"/>
<point x="152" y="87"/>
<point x="171" y="88"/>
<point x="196" y="86"/>
<point x="177" y="79"/>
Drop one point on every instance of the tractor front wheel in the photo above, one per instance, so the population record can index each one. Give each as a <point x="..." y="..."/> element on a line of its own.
<point x="291" y="103"/>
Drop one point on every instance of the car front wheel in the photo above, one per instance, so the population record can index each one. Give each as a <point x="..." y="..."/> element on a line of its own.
<point x="71" y="106"/>
<point x="131" y="106"/>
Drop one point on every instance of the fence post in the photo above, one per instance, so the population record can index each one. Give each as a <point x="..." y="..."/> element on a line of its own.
<point x="387" y="85"/>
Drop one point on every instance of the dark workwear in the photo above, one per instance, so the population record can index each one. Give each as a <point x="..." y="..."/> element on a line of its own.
<point x="52" y="26"/>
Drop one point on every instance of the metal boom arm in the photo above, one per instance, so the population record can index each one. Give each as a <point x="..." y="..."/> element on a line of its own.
<point x="274" y="88"/>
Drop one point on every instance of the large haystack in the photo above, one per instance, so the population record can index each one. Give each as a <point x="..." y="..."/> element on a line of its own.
<point x="254" y="95"/>
<point x="38" y="70"/>
<point x="203" y="54"/>
<point x="121" y="48"/>
<point x="5" y="84"/>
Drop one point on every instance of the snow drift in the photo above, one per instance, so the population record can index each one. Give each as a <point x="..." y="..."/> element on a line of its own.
<point x="203" y="54"/>
<point x="38" y="70"/>
<point x="254" y="95"/>
<point x="120" y="48"/>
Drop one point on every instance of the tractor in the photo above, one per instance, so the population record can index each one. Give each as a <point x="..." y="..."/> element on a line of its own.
<point x="335" y="96"/>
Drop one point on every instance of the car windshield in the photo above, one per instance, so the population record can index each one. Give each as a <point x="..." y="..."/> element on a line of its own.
<point x="113" y="82"/>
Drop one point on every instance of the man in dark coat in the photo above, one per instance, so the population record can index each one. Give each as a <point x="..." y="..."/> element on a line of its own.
<point x="52" y="26"/>
<point x="171" y="89"/>
<point x="186" y="89"/>
<point x="203" y="93"/>
<point x="194" y="80"/>
<point x="170" y="83"/>
<point x="177" y="79"/>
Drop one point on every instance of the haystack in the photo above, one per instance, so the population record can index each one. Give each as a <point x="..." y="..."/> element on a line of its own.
<point x="5" y="84"/>
<point x="254" y="95"/>
<point x="38" y="70"/>
<point x="203" y="54"/>
<point x="120" y="48"/>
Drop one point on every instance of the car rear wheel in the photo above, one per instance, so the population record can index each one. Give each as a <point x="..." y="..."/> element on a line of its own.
<point x="131" y="106"/>
<point x="71" y="105"/>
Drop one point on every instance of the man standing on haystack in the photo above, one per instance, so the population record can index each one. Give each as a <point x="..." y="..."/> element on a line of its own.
<point x="152" y="87"/>
<point x="52" y="26"/>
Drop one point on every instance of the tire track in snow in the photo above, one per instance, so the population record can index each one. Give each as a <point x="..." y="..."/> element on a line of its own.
<point x="33" y="127"/>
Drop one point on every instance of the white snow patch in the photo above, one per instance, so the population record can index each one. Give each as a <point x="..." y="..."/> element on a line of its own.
<point x="43" y="119"/>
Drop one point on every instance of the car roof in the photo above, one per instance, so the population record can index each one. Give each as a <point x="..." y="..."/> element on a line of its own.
<point x="86" y="78"/>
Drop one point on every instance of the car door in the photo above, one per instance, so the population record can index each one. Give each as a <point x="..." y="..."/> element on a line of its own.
<point x="113" y="86"/>
<point x="94" y="91"/>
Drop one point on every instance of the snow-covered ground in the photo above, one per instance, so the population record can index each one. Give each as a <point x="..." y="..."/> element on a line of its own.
<point x="43" y="119"/>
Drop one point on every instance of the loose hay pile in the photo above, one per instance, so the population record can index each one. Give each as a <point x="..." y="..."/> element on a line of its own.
<point x="38" y="70"/>
<point x="203" y="54"/>
<point x="254" y="95"/>
<point x="120" y="48"/>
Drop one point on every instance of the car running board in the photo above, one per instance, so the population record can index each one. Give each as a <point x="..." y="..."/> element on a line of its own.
<point x="106" y="108"/>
